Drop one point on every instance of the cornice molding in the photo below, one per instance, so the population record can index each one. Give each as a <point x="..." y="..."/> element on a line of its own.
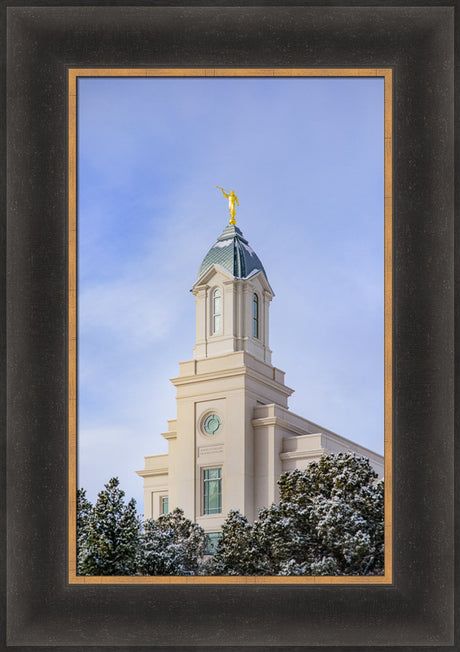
<point x="302" y="455"/>
<point x="262" y="422"/>
<point x="229" y="373"/>
<point x="169" y="435"/>
<point x="148" y="473"/>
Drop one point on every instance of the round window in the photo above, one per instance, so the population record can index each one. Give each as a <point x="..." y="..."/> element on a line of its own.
<point x="212" y="424"/>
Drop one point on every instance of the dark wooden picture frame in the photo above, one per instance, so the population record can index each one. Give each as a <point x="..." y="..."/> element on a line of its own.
<point x="43" y="608"/>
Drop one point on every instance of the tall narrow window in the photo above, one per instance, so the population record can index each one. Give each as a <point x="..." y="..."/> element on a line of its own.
<point x="212" y="491"/>
<point x="216" y="311"/>
<point x="255" y="318"/>
<point x="164" y="505"/>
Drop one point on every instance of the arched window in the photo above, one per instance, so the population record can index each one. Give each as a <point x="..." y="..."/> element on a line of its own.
<point x="255" y="316"/>
<point x="217" y="310"/>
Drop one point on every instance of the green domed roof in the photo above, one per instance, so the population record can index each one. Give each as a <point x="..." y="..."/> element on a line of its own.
<point x="233" y="253"/>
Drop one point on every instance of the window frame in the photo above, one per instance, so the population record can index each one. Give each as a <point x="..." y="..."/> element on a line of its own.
<point x="162" y="499"/>
<point x="205" y="482"/>
<point x="256" y="316"/>
<point x="215" y="314"/>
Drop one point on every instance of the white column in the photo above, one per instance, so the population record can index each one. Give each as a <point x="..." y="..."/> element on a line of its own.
<point x="239" y="315"/>
<point x="267" y="352"/>
<point x="202" y="319"/>
<point x="228" y="328"/>
<point x="246" y="332"/>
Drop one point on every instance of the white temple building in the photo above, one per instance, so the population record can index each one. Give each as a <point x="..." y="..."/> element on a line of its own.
<point x="234" y="434"/>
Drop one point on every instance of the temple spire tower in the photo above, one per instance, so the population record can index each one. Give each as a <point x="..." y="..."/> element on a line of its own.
<point x="233" y="297"/>
<point x="230" y="375"/>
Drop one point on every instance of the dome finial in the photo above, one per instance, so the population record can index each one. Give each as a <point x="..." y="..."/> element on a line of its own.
<point x="232" y="198"/>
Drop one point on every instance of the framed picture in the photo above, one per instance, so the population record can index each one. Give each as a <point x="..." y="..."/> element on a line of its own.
<point x="333" y="168"/>
<point x="413" y="606"/>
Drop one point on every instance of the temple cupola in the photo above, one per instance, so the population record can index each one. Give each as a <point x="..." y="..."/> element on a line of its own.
<point x="232" y="300"/>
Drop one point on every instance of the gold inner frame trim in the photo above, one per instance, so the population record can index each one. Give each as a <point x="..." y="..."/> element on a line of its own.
<point x="73" y="75"/>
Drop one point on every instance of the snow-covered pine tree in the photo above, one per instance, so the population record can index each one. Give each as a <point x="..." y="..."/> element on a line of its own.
<point x="171" y="545"/>
<point x="329" y="521"/>
<point x="334" y="510"/>
<point x="84" y="511"/>
<point x="236" y="553"/>
<point x="112" y="534"/>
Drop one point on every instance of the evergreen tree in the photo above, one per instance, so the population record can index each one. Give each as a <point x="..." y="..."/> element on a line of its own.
<point x="171" y="545"/>
<point x="335" y="510"/>
<point x="112" y="533"/>
<point x="235" y="553"/>
<point x="84" y="511"/>
<point x="329" y="521"/>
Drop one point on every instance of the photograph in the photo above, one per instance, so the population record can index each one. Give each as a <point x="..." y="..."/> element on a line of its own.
<point x="230" y="319"/>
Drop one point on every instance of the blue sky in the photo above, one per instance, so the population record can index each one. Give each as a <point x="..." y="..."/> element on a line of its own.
<point x="305" y="157"/>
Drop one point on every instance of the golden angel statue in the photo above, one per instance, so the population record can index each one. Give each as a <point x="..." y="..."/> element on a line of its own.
<point x="232" y="198"/>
